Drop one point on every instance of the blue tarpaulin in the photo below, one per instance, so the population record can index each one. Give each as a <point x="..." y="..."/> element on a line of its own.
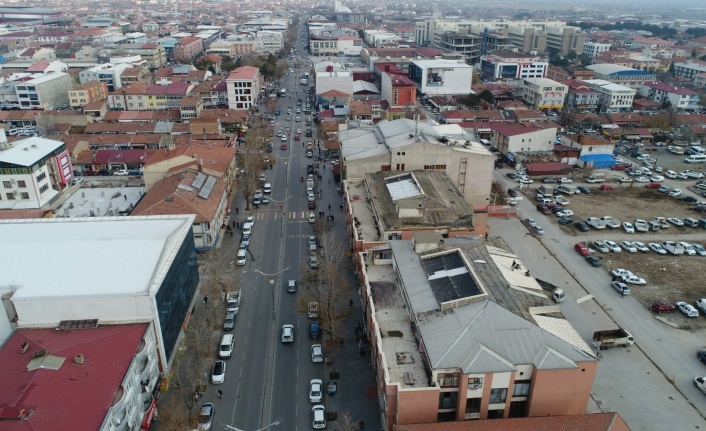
<point x="599" y="161"/>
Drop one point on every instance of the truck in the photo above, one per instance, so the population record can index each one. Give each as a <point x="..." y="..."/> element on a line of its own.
<point x="673" y="248"/>
<point x="595" y="223"/>
<point x="611" y="222"/>
<point x="596" y="177"/>
<point x="566" y="189"/>
<point x="304" y="81"/>
<point x="546" y="190"/>
<point x="555" y="293"/>
<point x="613" y="337"/>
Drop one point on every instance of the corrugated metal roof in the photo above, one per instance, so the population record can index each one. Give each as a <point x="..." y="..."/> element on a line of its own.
<point x="414" y="278"/>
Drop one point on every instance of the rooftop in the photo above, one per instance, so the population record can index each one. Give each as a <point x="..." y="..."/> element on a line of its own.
<point x="26" y="152"/>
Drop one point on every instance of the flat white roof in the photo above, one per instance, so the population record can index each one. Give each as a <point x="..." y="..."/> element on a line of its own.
<point x="428" y="64"/>
<point x="98" y="256"/>
<point x="27" y="152"/>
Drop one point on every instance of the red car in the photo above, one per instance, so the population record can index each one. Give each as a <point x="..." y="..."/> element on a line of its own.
<point x="296" y="137"/>
<point x="619" y="167"/>
<point x="663" y="307"/>
<point x="653" y="185"/>
<point x="581" y="249"/>
<point x="607" y="187"/>
<point x="90" y="173"/>
<point x="544" y="209"/>
<point x="283" y="147"/>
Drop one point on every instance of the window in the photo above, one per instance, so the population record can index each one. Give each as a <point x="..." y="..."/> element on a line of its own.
<point x="447" y="400"/>
<point x="475" y="382"/>
<point x="10" y="196"/>
<point x="385" y="167"/>
<point x="41" y="176"/>
<point x="7" y="184"/>
<point x="44" y="188"/>
<point x="498" y="396"/>
<point x="521" y="389"/>
<point x="434" y="167"/>
<point x="448" y="380"/>
<point x="24" y="195"/>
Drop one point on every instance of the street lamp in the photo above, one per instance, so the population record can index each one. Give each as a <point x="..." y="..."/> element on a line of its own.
<point x="271" y="279"/>
<point x="281" y="203"/>
<point x="261" y="429"/>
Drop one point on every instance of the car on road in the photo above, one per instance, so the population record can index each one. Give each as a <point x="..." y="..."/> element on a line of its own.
<point x="205" y="418"/>
<point x="317" y="353"/>
<point x="593" y="260"/>
<point x="313" y="262"/>
<point x="314" y="330"/>
<point x="613" y="246"/>
<point x="627" y="245"/>
<point x="620" y="272"/>
<point x="564" y="213"/>
<point x="689" y="199"/>
<point x="524" y="180"/>
<point x="544" y="209"/>
<point x="583" y="190"/>
<point x="600" y="246"/>
<point x="315" y="390"/>
<point x="657" y="248"/>
<point x="287" y="333"/>
<point x="582" y="249"/>
<point x="121" y="173"/>
<point x="607" y="187"/>
<point x="701" y="355"/>
<point x="538" y="230"/>
<point x="283" y="146"/>
<point x="245" y="239"/>
<point x="663" y="307"/>
<point x="229" y="321"/>
<point x="640" y="247"/>
<point x="530" y="222"/>
<point x="581" y="226"/>
<point x="653" y="185"/>
<point x="241" y="257"/>
<point x="620" y="287"/>
<point x="291" y="286"/>
<point x="676" y="192"/>
<point x="318" y="417"/>
<point x="675" y="221"/>
<point x="312" y="217"/>
<point x="688" y="309"/>
<point x="218" y="373"/>
<point x="565" y="180"/>
<point x="628" y="227"/>
<point x="633" y="279"/>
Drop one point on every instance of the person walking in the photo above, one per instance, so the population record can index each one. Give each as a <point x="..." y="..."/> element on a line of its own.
<point x="220" y="394"/>
<point x="236" y="210"/>
<point x="350" y="302"/>
<point x="329" y="207"/>
<point x="205" y="300"/>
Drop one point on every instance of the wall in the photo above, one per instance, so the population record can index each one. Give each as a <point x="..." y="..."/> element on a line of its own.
<point x="157" y="171"/>
<point x="417" y="405"/>
<point x="540" y="140"/>
<point x="550" y="395"/>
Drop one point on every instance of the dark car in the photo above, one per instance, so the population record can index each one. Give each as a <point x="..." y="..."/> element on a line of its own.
<point x="566" y="220"/>
<point x="557" y="209"/>
<point x="511" y="175"/>
<point x="593" y="260"/>
<point x="512" y="192"/>
<point x="104" y="173"/>
<point x="688" y="199"/>
<point x="544" y="209"/>
<point x="663" y="307"/>
<point x="314" y="332"/>
<point x="312" y="205"/>
<point x="619" y="167"/>
<point x="583" y="190"/>
<point x="90" y="173"/>
<point x="701" y="354"/>
<point x="583" y="227"/>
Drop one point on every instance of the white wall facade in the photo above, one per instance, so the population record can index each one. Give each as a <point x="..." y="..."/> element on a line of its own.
<point x="341" y="81"/>
<point x="441" y="77"/>
<point x="593" y="49"/>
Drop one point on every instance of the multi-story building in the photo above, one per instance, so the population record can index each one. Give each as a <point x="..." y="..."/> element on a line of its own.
<point x="190" y="107"/>
<point x="45" y="91"/>
<point x="92" y="91"/>
<point x="241" y="44"/>
<point x="130" y="97"/>
<point x="689" y="68"/>
<point x="520" y="139"/>
<point x="526" y="38"/>
<point x="593" y="49"/>
<point x="613" y="97"/>
<point x="441" y="77"/>
<point x="622" y="75"/>
<point x="213" y="93"/>
<point x="543" y="93"/>
<point x="188" y="48"/>
<point x="700" y="80"/>
<point x="398" y="90"/>
<point x="565" y="39"/>
<point x="108" y="73"/>
<point x="512" y="66"/>
<point x="154" y="54"/>
<point x="244" y="84"/>
<point x="167" y="96"/>
<point x="675" y="97"/>
<point x="466" y="46"/>
<point x="581" y="96"/>
<point x="32" y="171"/>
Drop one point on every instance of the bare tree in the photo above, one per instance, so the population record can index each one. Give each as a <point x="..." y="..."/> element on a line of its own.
<point x="252" y="158"/>
<point x="347" y="423"/>
<point x="172" y="416"/>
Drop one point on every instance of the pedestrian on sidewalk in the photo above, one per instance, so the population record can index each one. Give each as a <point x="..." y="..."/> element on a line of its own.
<point x="622" y="292"/>
<point x="361" y="424"/>
<point x="329" y="207"/>
<point x="220" y="394"/>
<point x="350" y="302"/>
<point x="234" y="221"/>
<point x="205" y="300"/>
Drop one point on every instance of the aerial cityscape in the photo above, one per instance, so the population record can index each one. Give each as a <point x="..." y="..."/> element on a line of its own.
<point x="499" y="223"/>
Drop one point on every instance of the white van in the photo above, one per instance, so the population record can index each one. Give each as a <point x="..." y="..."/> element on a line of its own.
<point x="226" y="347"/>
<point x="696" y="158"/>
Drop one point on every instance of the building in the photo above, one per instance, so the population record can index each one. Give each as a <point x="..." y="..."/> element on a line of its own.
<point x="565" y="39"/>
<point x="47" y="91"/>
<point x="512" y="66"/>
<point x="92" y="91"/>
<point x="642" y="62"/>
<point x="700" y="80"/>
<point x="468" y="46"/>
<point x="441" y="77"/>
<point x="153" y="259"/>
<point x="244" y="84"/>
<point x="108" y="73"/>
<point x="105" y="375"/>
<point x="188" y="48"/>
<point x="329" y="80"/>
<point x="625" y="76"/>
<point x="405" y="145"/>
<point x="518" y="139"/>
<point x="593" y="49"/>
<point x="269" y="42"/>
<point x="587" y="422"/>
<point x="580" y="96"/>
<point x="543" y="93"/>
<point x="457" y="354"/>
<point x="32" y="172"/>
<point x="671" y="95"/>
<point x="613" y="97"/>
<point x="398" y="90"/>
<point x="689" y="69"/>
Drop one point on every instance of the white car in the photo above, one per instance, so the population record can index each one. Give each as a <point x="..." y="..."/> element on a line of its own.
<point x="615" y="248"/>
<point x="317" y="353"/>
<point x="530" y="222"/>
<point x="218" y="373"/>
<point x="251" y="221"/>
<point x="565" y="213"/>
<point x="675" y="221"/>
<point x="525" y="181"/>
<point x="674" y="193"/>
<point x="625" y="179"/>
<point x="287" y="333"/>
<point x="633" y="279"/>
<point x="701" y="303"/>
<point x="241" y="257"/>
<point x="642" y="180"/>
<point x="601" y="246"/>
<point x="670" y="174"/>
<point x="121" y="172"/>
<point x="620" y="287"/>
<point x="640" y="246"/>
<point x="627" y="245"/>
<point x="688" y="309"/>
<point x="657" y="248"/>
<point x="688" y="248"/>
<point x="312" y="217"/>
<point x="315" y="390"/>
<point x="656" y="178"/>
<point x="318" y="417"/>
<point x="700" y="382"/>
<point x="620" y="272"/>
<point x="565" y="180"/>
<point x="700" y="250"/>
<point x="628" y="227"/>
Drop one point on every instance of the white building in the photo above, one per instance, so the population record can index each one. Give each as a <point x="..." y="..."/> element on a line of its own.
<point x="341" y="81"/>
<point x="593" y="49"/>
<point x="622" y="75"/>
<point x="46" y="91"/>
<point x="613" y="97"/>
<point x="108" y="73"/>
<point x="31" y="170"/>
<point x="268" y="41"/>
<point x="543" y="93"/>
<point x="510" y="66"/>
<point x="243" y="86"/>
<point x="678" y="97"/>
<point x="689" y="68"/>
<point x="514" y="139"/>
<point x="441" y="77"/>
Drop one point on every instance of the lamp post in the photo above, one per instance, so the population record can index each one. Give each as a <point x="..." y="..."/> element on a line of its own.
<point x="271" y="279"/>
<point x="261" y="429"/>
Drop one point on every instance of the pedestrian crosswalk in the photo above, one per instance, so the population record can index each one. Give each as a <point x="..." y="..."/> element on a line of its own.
<point x="277" y="215"/>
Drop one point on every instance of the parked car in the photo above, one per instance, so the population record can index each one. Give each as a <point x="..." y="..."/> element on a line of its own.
<point x="620" y="287"/>
<point x="620" y="272"/>
<point x="593" y="261"/>
<point x="676" y="192"/>
<point x="701" y="303"/>
<point x="663" y="307"/>
<point x="607" y="187"/>
<point x="664" y="189"/>
<point x="538" y="230"/>
<point x="565" y="181"/>
<point x="688" y="248"/>
<point x="675" y="221"/>
<point x="633" y="279"/>
<point x="205" y="418"/>
<point x="512" y="192"/>
<point x="601" y="246"/>
<point x="291" y="286"/>
<point x="657" y="248"/>
<point x="640" y="247"/>
<point x="229" y="321"/>
<point x="218" y="373"/>
<point x="583" y="190"/>
<point x="653" y="185"/>
<point x="628" y="227"/>
<point x="317" y="353"/>
<point x="287" y="333"/>
<point x="581" y="249"/>
<point x="615" y="248"/>
<point x="316" y="387"/>
<point x="565" y="220"/>
<point x="627" y="245"/>
<point x="700" y="250"/>
<point x="313" y="262"/>
<point x="121" y="173"/>
<point x="581" y="226"/>
<point x="688" y="309"/>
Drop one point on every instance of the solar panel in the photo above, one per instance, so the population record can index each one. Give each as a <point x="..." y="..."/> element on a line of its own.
<point x="208" y="187"/>
<point x="185" y="187"/>
<point x="198" y="181"/>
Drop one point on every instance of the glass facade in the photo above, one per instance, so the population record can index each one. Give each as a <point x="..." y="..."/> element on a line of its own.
<point x="177" y="292"/>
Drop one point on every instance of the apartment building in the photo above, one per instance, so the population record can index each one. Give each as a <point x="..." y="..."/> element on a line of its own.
<point x="626" y="76"/>
<point x="580" y="96"/>
<point x="129" y="98"/>
<point x="441" y="77"/>
<point x="154" y="54"/>
<point x="543" y="93"/>
<point x="675" y="97"/>
<point x="108" y="73"/>
<point x="565" y="39"/>
<point x="92" y="91"/>
<point x="398" y="90"/>
<point x="519" y="139"/>
<point x="593" y="49"/>
<point x="613" y="97"/>
<point x="268" y="42"/>
<point x="512" y="66"/>
<point x="244" y="84"/>
<point x="188" y="48"/>
<point x="241" y="45"/>
<point x="689" y="69"/>
<point x="45" y="91"/>
<point x="334" y="46"/>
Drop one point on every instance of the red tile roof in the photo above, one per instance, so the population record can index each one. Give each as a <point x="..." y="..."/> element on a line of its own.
<point x="245" y="73"/>
<point x="74" y="397"/>
<point x="103" y="157"/>
<point x="513" y="129"/>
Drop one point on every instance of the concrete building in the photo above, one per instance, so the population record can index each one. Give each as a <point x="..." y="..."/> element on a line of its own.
<point x="244" y="84"/>
<point x="188" y="48"/>
<point x="690" y="68"/>
<point x="512" y="139"/>
<point x="47" y="91"/>
<point x="625" y="76"/>
<point x="269" y="42"/>
<point x="32" y="172"/>
<point x="403" y="145"/>
<point x="108" y="73"/>
<point x="479" y="360"/>
<point x="398" y="90"/>
<point x="593" y="49"/>
<point x="340" y="81"/>
<point x="543" y="93"/>
<point x="676" y="97"/>
<point x="153" y="259"/>
<point x="565" y="39"/>
<point x="468" y="46"/>
<point x="581" y="96"/>
<point x="334" y="46"/>
<point x="512" y="66"/>
<point x="613" y="97"/>
<point x="92" y="91"/>
<point x="441" y="77"/>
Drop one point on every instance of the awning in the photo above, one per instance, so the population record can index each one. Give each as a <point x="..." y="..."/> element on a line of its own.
<point x="632" y="136"/>
<point x="150" y="414"/>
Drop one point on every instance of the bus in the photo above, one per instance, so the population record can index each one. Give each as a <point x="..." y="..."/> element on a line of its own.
<point x="282" y="92"/>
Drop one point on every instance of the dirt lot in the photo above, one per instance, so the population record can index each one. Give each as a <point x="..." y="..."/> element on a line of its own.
<point x="669" y="278"/>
